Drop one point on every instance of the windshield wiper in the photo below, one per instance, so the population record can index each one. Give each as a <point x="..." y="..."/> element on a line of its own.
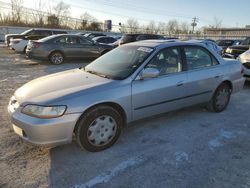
<point x="98" y="74"/>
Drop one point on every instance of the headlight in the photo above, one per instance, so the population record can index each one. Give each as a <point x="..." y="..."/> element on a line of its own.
<point x="44" y="111"/>
<point x="228" y="50"/>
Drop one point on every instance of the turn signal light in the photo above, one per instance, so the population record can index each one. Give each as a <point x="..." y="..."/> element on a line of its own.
<point x="242" y="70"/>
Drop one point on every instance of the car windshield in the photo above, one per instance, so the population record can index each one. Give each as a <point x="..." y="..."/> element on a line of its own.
<point x="120" y="62"/>
<point x="26" y="32"/>
<point x="47" y="38"/>
<point x="245" y="42"/>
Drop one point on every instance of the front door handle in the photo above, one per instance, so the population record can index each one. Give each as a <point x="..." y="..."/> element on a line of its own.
<point x="218" y="76"/>
<point x="180" y="83"/>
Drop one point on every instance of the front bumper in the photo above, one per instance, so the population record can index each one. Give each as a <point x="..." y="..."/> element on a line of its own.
<point x="52" y="132"/>
<point x="247" y="74"/>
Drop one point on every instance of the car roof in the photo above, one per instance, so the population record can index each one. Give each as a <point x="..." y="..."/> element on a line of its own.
<point x="163" y="43"/>
<point x="99" y="37"/>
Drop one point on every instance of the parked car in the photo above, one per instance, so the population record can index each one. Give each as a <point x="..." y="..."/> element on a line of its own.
<point x="56" y="48"/>
<point x="104" y="39"/>
<point x="137" y="37"/>
<point x="245" y="60"/>
<point x="210" y="44"/>
<point x="225" y="43"/>
<point x="32" y="34"/>
<point x="131" y="82"/>
<point x="92" y="35"/>
<point x="236" y="50"/>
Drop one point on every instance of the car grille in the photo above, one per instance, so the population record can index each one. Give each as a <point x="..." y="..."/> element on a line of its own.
<point x="246" y="65"/>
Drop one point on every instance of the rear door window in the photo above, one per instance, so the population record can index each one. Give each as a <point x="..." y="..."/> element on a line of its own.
<point x="198" y="57"/>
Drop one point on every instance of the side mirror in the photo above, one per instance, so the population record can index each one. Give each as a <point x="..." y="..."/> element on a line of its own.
<point x="149" y="73"/>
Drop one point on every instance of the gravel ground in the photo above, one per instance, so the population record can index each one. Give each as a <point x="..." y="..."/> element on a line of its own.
<point x="187" y="148"/>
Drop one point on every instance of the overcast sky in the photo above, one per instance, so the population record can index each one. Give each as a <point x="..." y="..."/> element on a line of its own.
<point x="232" y="13"/>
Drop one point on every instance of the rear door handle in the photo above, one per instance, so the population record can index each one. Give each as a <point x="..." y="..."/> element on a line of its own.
<point x="218" y="76"/>
<point x="180" y="83"/>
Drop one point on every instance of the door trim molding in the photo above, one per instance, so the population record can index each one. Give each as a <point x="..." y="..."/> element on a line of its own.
<point x="175" y="99"/>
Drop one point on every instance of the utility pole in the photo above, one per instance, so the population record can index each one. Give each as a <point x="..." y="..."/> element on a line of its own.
<point x="194" y="23"/>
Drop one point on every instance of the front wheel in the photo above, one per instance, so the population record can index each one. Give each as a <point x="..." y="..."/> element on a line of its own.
<point x="56" y="58"/>
<point x="98" y="129"/>
<point x="220" y="99"/>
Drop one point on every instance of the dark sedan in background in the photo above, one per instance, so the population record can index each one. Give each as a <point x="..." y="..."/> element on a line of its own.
<point x="104" y="39"/>
<point x="57" y="48"/>
<point x="225" y="43"/>
<point x="236" y="50"/>
<point x="127" y="38"/>
<point x="33" y="34"/>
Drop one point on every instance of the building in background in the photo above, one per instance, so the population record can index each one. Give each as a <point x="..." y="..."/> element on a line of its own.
<point x="234" y="31"/>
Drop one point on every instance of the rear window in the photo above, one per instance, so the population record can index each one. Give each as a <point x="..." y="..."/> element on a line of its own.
<point x="129" y="38"/>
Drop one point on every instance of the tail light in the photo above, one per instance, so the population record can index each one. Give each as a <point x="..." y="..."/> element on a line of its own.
<point x="242" y="70"/>
<point x="36" y="45"/>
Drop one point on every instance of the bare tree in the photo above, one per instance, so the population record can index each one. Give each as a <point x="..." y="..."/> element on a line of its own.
<point x="132" y="25"/>
<point x="172" y="27"/>
<point x="39" y="15"/>
<point x="184" y="28"/>
<point x="161" y="27"/>
<point x="16" y="10"/>
<point x="61" y="9"/>
<point x="89" y="22"/>
<point x="152" y="27"/>
<point x="61" y="12"/>
<point x="217" y="23"/>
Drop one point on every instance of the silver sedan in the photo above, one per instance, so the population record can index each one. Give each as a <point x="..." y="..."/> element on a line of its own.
<point x="131" y="82"/>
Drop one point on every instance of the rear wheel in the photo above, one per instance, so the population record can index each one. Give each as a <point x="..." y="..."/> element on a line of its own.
<point x="24" y="50"/>
<point x="220" y="99"/>
<point x="99" y="128"/>
<point x="56" y="58"/>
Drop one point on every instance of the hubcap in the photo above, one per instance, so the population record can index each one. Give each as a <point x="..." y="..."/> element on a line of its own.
<point x="222" y="99"/>
<point x="57" y="58"/>
<point x="102" y="130"/>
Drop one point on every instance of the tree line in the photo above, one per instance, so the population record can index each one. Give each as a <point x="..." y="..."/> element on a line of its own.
<point x="58" y="16"/>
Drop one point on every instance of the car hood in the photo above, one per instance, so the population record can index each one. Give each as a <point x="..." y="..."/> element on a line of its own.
<point x="56" y="87"/>
<point x="245" y="57"/>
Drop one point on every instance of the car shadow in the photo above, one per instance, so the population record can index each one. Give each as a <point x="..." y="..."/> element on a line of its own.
<point x="71" y="166"/>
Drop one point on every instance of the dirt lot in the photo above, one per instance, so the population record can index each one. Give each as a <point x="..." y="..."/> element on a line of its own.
<point x="187" y="148"/>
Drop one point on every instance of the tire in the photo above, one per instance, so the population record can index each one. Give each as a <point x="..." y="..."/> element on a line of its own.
<point x="220" y="99"/>
<point x="24" y="50"/>
<point x="56" y="58"/>
<point x="98" y="129"/>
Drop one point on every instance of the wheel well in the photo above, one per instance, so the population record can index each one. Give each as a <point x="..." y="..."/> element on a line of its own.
<point x="228" y="83"/>
<point x="116" y="106"/>
<point x="56" y="51"/>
